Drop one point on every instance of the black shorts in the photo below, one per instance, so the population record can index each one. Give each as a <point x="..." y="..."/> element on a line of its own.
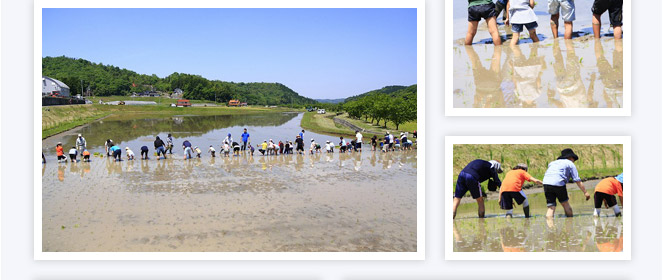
<point x="466" y="182"/>
<point x="358" y="146"/>
<point x="72" y="157"/>
<point x="117" y="154"/>
<point x="143" y="153"/>
<point x="614" y="8"/>
<point x="599" y="197"/>
<point x="509" y="197"/>
<point x="236" y="149"/>
<point x="300" y="148"/>
<point x="61" y="157"/>
<point x="477" y="12"/>
<point x="554" y="193"/>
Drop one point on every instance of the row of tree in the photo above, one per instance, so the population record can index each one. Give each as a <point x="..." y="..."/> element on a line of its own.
<point x="387" y="105"/>
<point x="105" y="80"/>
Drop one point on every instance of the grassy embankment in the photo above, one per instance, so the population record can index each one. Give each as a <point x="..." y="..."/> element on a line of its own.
<point x="56" y="119"/>
<point x="595" y="161"/>
<point x="324" y="123"/>
<point x="408" y="126"/>
<point x="158" y="100"/>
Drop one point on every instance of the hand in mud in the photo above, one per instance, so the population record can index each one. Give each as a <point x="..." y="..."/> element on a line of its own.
<point x="586" y="196"/>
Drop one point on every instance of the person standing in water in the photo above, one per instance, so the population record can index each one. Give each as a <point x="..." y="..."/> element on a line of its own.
<point x="80" y="144"/>
<point x="245" y="139"/>
<point x="521" y="14"/>
<point x="169" y="144"/>
<point x="512" y="189"/>
<point x="568" y="13"/>
<point x="558" y="174"/>
<point x="59" y="150"/>
<point x="358" y="140"/>
<point x="470" y="178"/>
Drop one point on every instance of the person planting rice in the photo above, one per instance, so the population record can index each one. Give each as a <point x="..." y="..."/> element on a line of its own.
<point x="300" y="143"/>
<point x="144" y="152"/>
<point x="328" y="147"/>
<point x="226" y="149"/>
<point x="512" y="189"/>
<point x="73" y="152"/>
<point x="117" y="153"/>
<point x="130" y="154"/>
<point x="374" y="142"/>
<point x="169" y="144"/>
<point x="281" y="147"/>
<point x="558" y="174"/>
<point x="331" y="144"/>
<point x="160" y="147"/>
<point x="228" y="140"/>
<point x="59" y="150"/>
<point x="476" y="10"/>
<point x="605" y="191"/>
<point x="211" y="151"/>
<point x="271" y="148"/>
<point x="188" y="153"/>
<point x="236" y="149"/>
<point x="470" y="178"/>
<point x="185" y="144"/>
<point x="86" y="155"/>
<point x="197" y="151"/>
<point x="521" y="14"/>
<point x="391" y="141"/>
<point x="286" y="148"/>
<point x="263" y="147"/>
<point x="108" y="145"/>
<point x="342" y="147"/>
<point x="312" y="147"/>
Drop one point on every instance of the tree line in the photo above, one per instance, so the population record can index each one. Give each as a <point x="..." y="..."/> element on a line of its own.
<point x="104" y="80"/>
<point x="396" y="104"/>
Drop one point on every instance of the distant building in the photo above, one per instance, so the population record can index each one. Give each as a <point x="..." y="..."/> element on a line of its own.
<point x="243" y="104"/>
<point x="183" y="103"/>
<point x="233" y="102"/>
<point x="53" y="87"/>
<point x="177" y="93"/>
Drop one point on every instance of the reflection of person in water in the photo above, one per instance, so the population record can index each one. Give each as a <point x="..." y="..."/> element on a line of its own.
<point x="512" y="241"/>
<point x="487" y="81"/>
<point x="612" y="77"/>
<point x="527" y="72"/>
<point x="609" y="239"/>
<point x="569" y="85"/>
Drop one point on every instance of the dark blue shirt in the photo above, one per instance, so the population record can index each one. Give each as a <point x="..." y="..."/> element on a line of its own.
<point x="480" y="170"/>
<point x="186" y="144"/>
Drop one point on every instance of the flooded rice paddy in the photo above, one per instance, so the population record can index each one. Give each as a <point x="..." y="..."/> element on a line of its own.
<point x="495" y="233"/>
<point x="320" y="203"/>
<point x="577" y="73"/>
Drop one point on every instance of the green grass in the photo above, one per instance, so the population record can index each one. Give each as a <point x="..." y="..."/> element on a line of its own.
<point x="56" y="119"/>
<point x="409" y="126"/>
<point x="595" y="161"/>
<point x="158" y="100"/>
<point x="324" y="123"/>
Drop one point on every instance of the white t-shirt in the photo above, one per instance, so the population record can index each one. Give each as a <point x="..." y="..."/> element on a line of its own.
<point x="328" y="147"/>
<point x="359" y="136"/>
<point x="73" y="152"/>
<point x="130" y="153"/>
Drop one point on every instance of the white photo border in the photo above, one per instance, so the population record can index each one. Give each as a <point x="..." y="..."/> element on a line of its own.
<point x="449" y="141"/>
<point x="450" y="111"/>
<point x="419" y="254"/>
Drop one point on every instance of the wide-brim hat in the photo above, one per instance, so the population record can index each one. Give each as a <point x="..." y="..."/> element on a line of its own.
<point x="568" y="153"/>
<point x="620" y="178"/>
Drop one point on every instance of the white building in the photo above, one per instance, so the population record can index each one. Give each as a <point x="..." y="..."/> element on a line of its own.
<point x="50" y="86"/>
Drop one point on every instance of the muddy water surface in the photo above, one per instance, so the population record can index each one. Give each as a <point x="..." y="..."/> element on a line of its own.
<point x="336" y="202"/>
<point x="577" y="73"/>
<point x="581" y="233"/>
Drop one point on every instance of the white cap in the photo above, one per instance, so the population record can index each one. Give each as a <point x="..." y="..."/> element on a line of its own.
<point x="79" y="135"/>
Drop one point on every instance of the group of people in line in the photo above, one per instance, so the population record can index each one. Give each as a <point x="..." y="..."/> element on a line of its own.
<point x="229" y="146"/>
<point x="519" y="14"/>
<point x="558" y="174"/>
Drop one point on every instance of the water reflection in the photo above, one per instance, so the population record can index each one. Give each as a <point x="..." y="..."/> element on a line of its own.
<point x="521" y="76"/>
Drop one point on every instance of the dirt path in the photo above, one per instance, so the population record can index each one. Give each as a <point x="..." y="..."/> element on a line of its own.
<point x="354" y="127"/>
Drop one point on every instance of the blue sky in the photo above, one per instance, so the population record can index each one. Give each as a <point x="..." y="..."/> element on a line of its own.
<point x="319" y="53"/>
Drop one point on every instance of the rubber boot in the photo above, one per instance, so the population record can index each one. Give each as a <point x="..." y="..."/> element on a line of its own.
<point x="526" y="210"/>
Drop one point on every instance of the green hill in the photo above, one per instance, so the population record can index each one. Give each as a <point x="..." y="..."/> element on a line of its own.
<point x="107" y="80"/>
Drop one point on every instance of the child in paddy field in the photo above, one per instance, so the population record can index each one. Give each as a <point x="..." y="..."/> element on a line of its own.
<point x="606" y="190"/>
<point x="73" y="152"/>
<point x="476" y="10"/>
<point x="117" y="153"/>
<point x="521" y="14"/>
<point x="512" y="189"/>
<point x="236" y="148"/>
<point x="226" y="149"/>
<point x="130" y="154"/>
<point x="86" y="155"/>
<point x="212" y="151"/>
<point x="198" y="151"/>
<point x="60" y="151"/>
<point x="568" y="13"/>
<point x="188" y="153"/>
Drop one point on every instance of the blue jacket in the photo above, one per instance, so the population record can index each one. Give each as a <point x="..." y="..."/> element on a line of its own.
<point x="481" y="171"/>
